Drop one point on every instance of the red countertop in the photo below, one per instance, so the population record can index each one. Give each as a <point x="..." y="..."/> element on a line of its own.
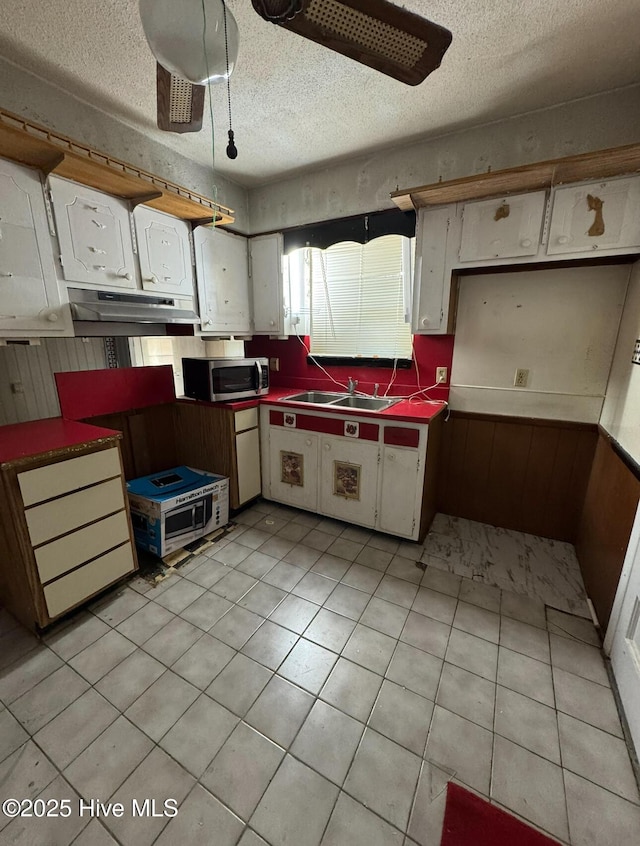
<point x="22" y="440"/>
<point x="406" y="411"/>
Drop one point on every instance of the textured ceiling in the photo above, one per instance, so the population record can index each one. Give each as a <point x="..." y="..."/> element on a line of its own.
<point x="297" y="105"/>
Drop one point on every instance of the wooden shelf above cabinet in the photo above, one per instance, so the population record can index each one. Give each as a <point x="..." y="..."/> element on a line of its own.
<point x="602" y="164"/>
<point x="30" y="144"/>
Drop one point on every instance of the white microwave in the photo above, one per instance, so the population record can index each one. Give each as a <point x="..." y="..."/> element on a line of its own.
<point x="216" y="379"/>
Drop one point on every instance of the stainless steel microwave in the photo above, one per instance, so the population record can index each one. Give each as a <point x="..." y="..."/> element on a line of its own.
<point x="215" y="379"/>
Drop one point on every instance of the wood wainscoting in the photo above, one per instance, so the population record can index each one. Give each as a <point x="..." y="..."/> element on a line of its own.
<point x="148" y="438"/>
<point x="515" y="472"/>
<point x="605" y="526"/>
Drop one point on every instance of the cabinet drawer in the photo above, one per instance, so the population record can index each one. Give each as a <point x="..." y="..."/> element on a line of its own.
<point x="67" y="513"/>
<point x="245" y="419"/>
<point x="55" y="558"/>
<point x="74" y="587"/>
<point x="65" y="476"/>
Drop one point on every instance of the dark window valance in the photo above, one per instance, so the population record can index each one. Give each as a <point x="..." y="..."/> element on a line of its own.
<point x="361" y="228"/>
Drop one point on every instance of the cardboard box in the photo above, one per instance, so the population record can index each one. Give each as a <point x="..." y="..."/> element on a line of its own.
<point x="175" y="507"/>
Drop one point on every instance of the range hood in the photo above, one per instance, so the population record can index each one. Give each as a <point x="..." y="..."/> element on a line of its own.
<point x="98" y="312"/>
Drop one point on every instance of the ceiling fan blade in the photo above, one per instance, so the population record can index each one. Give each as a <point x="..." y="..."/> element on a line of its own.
<point x="376" y="33"/>
<point x="180" y="103"/>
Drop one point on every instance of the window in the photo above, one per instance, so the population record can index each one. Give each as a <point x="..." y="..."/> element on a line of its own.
<point x="358" y="296"/>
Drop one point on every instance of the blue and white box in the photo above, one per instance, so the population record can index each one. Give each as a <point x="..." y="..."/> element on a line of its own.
<point x="175" y="507"/>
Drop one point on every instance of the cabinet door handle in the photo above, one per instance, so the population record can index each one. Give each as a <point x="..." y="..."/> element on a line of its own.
<point x="126" y="276"/>
<point x="327" y="447"/>
<point x="391" y="457"/>
<point x="563" y="239"/>
<point x="52" y="317"/>
<point x="424" y="321"/>
<point x="98" y="251"/>
<point x="526" y="242"/>
<point x="308" y="441"/>
<point x="6" y="274"/>
<point x="153" y="279"/>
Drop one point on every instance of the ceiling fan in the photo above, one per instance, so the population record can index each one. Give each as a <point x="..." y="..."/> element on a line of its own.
<point x="376" y="33"/>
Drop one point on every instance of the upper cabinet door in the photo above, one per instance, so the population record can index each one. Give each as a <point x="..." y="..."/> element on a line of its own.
<point x="30" y="302"/>
<point x="597" y="216"/>
<point x="505" y="227"/>
<point x="222" y="269"/>
<point x="165" y="252"/>
<point x="267" y="284"/>
<point x="432" y="275"/>
<point x="94" y="231"/>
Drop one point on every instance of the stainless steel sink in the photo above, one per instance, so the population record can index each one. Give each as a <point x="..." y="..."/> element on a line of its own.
<point x="319" y="397"/>
<point x="366" y="403"/>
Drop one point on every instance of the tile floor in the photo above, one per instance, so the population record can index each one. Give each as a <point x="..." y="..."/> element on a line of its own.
<point x="305" y="682"/>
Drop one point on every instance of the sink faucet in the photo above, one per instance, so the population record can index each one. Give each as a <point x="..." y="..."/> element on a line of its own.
<point x="375" y="389"/>
<point x="353" y="384"/>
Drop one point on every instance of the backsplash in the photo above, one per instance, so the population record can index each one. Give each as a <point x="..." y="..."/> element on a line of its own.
<point x="430" y="352"/>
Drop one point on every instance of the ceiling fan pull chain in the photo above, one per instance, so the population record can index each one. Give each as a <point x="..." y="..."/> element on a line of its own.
<point x="232" y="150"/>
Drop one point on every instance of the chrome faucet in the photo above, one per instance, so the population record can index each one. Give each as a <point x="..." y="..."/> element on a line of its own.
<point x="375" y="389"/>
<point x="353" y="384"/>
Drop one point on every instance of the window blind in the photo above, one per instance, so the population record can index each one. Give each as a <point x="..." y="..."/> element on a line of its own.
<point x="358" y="298"/>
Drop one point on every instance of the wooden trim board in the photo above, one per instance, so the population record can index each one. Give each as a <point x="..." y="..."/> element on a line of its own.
<point x="36" y="146"/>
<point x="601" y="164"/>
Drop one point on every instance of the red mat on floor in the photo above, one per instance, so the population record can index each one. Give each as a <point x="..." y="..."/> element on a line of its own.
<point x="471" y="821"/>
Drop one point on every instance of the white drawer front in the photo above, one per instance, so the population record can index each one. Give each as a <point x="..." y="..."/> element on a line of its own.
<point x="59" y="556"/>
<point x="65" y="476"/>
<point x="246" y="419"/>
<point x="67" y="513"/>
<point x="82" y="583"/>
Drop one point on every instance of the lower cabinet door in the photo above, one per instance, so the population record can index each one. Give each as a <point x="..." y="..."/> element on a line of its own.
<point x="349" y="480"/>
<point x="248" y="464"/>
<point x="293" y="468"/>
<point x="401" y="492"/>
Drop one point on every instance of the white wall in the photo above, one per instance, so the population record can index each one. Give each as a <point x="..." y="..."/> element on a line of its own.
<point x="32" y="368"/>
<point x="166" y="350"/>
<point x="34" y="98"/>
<point x="363" y="184"/>
<point x="621" y="411"/>
<point x="560" y="324"/>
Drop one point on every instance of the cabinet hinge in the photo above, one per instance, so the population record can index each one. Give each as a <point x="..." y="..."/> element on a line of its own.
<point x="378" y="456"/>
<point x="192" y="250"/>
<point x="413" y="525"/>
<point x="249" y="262"/>
<point x="47" y="204"/>
<point x="544" y="238"/>
<point x="60" y="260"/>
<point x="132" y="227"/>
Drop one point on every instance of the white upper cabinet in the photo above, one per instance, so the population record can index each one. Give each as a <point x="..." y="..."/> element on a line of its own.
<point x="94" y="231"/>
<point x="436" y="230"/>
<point x="504" y="227"/>
<point x="164" y="250"/>
<point x="267" y="284"/>
<point x="30" y="301"/>
<point x="598" y="216"/>
<point x="222" y="269"/>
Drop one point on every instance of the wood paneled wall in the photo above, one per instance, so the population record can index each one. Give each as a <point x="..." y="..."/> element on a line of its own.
<point x="32" y="367"/>
<point x="605" y="526"/>
<point x="517" y="473"/>
<point x="148" y="438"/>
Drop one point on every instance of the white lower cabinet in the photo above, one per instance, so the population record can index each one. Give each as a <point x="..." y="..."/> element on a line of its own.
<point x="293" y="467"/>
<point x="400" y="471"/>
<point x="375" y="478"/>
<point x="349" y="480"/>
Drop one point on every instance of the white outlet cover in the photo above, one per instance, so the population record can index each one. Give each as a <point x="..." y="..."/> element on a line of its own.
<point x="635" y="358"/>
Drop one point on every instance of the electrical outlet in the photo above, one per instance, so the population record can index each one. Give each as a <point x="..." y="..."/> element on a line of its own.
<point x="274" y="364"/>
<point x="441" y="375"/>
<point x="521" y="378"/>
<point x="635" y="358"/>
